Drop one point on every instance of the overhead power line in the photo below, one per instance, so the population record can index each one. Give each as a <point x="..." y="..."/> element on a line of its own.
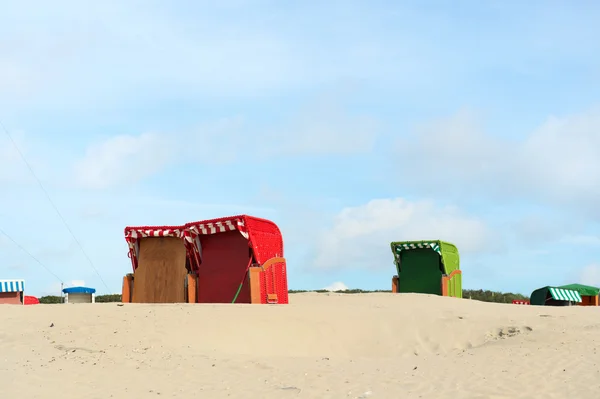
<point x="53" y="205"/>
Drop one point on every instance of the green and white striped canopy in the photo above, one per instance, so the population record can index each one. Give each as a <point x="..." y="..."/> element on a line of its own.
<point x="560" y="294"/>
<point x="407" y="246"/>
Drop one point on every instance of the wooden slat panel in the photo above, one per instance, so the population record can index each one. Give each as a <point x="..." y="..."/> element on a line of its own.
<point x="255" y="287"/>
<point x="161" y="273"/>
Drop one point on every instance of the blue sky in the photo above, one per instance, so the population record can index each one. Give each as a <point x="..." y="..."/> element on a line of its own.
<point x="349" y="123"/>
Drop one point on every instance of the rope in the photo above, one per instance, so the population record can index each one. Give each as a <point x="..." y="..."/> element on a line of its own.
<point x="243" y="281"/>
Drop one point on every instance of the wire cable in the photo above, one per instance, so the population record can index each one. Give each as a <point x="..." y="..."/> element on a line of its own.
<point x="29" y="253"/>
<point x="53" y="205"/>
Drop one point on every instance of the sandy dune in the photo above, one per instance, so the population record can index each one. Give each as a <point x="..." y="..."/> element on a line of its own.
<point x="320" y="346"/>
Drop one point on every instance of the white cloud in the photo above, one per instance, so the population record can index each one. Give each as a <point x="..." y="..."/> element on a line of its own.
<point x="546" y="226"/>
<point x="157" y="46"/>
<point x="583" y="240"/>
<point x="76" y="283"/>
<point x="77" y="57"/>
<point x="43" y="156"/>
<point x="557" y="162"/>
<point x="361" y="236"/>
<point x="322" y="128"/>
<point x="124" y="159"/>
<point x="12" y="168"/>
<point x="77" y="54"/>
<point x="12" y="78"/>
<point x="337" y="286"/>
<point x="590" y="275"/>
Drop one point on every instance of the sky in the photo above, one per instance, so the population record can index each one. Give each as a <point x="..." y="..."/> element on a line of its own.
<point x="350" y="124"/>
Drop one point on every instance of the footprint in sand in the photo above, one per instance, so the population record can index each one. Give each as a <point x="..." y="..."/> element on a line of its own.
<point x="508" y="332"/>
<point x="75" y="348"/>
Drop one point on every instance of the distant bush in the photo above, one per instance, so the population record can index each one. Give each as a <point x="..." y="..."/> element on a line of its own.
<point x="51" y="299"/>
<point x="350" y="291"/>
<point x="493" y="296"/>
<point x="108" y="298"/>
<point x="478" y="295"/>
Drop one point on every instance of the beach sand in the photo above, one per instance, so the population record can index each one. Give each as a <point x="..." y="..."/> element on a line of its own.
<point x="319" y="346"/>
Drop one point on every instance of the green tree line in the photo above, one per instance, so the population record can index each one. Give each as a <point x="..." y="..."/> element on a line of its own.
<point x="53" y="299"/>
<point x="493" y="296"/>
<point x="477" y="295"/>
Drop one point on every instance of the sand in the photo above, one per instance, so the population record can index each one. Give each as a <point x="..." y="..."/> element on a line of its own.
<point x="319" y="346"/>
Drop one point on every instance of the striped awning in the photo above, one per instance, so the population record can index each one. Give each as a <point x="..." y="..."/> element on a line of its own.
<point x="561" y="294"/>
<point x="12" y="285"/>
<point x="415" y="245"/>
